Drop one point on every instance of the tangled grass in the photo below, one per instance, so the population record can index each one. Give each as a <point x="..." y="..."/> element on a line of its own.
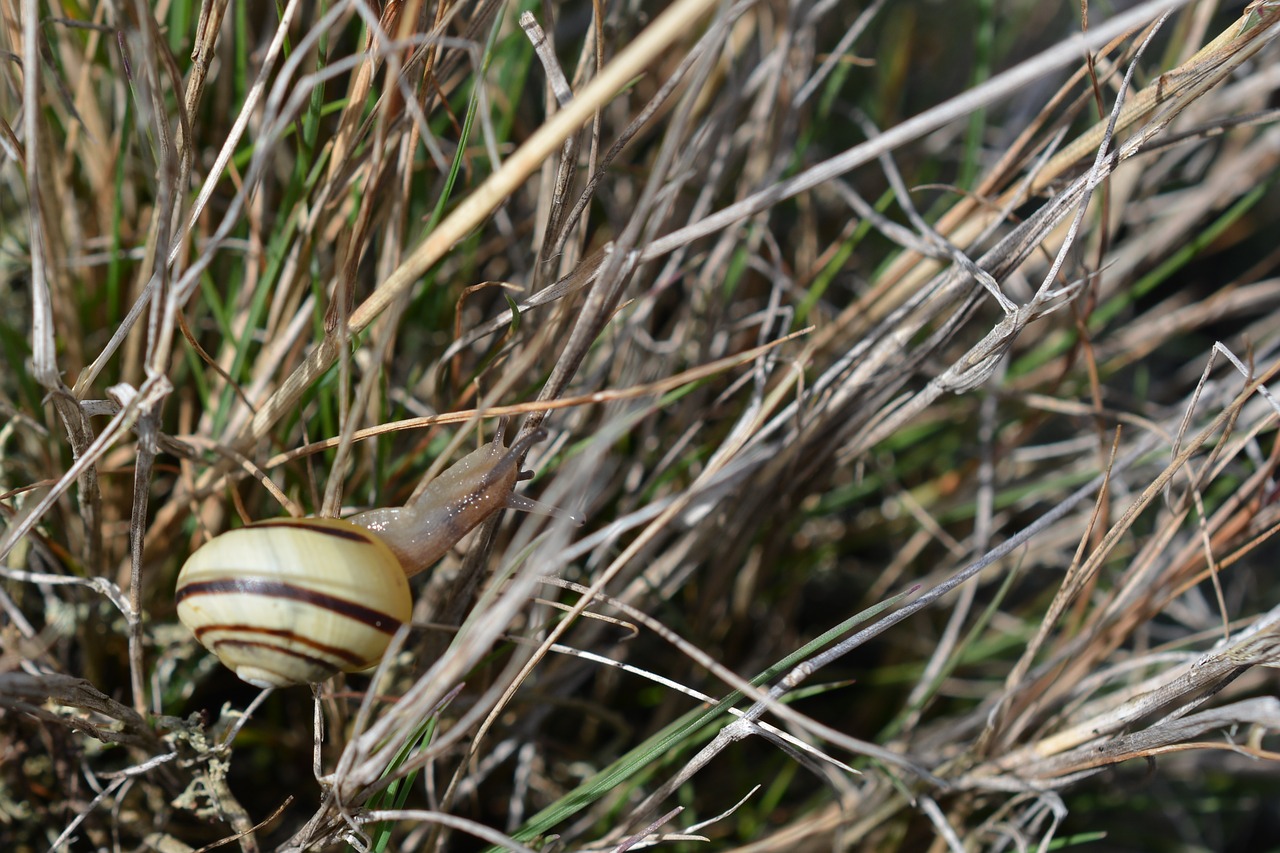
<point x="906" y="366"/>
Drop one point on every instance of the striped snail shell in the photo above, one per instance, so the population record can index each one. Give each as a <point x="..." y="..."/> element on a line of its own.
<point x="293" y="601"/>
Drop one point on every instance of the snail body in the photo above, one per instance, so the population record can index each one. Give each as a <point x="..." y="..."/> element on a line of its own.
<point x="465" y="494"/>
<point x="293" y="601"/>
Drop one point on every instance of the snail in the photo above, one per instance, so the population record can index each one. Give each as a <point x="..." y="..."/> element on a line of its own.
<point x="296" y="600"/>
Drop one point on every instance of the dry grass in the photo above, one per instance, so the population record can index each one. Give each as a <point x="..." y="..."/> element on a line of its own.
<point x="910" y="374"/>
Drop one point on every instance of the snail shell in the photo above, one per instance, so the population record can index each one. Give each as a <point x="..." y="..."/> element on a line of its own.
<point x="293" y="601"/>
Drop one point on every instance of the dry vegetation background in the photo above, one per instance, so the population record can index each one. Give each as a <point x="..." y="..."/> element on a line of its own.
<point x="906" y="362"/>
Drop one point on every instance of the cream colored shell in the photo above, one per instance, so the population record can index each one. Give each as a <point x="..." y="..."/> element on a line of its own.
<point x="293" y="601"/>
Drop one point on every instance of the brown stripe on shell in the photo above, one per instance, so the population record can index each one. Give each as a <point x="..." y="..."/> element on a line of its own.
<point x="375" y="619"/>
<point x="319" y="664"/>
<point x="315" y="669"/>
<point x="334" y="651"/>
<point x="353" y="533"/>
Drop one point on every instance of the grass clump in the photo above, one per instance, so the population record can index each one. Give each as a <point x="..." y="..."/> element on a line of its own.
<point x="906" y="366"/>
